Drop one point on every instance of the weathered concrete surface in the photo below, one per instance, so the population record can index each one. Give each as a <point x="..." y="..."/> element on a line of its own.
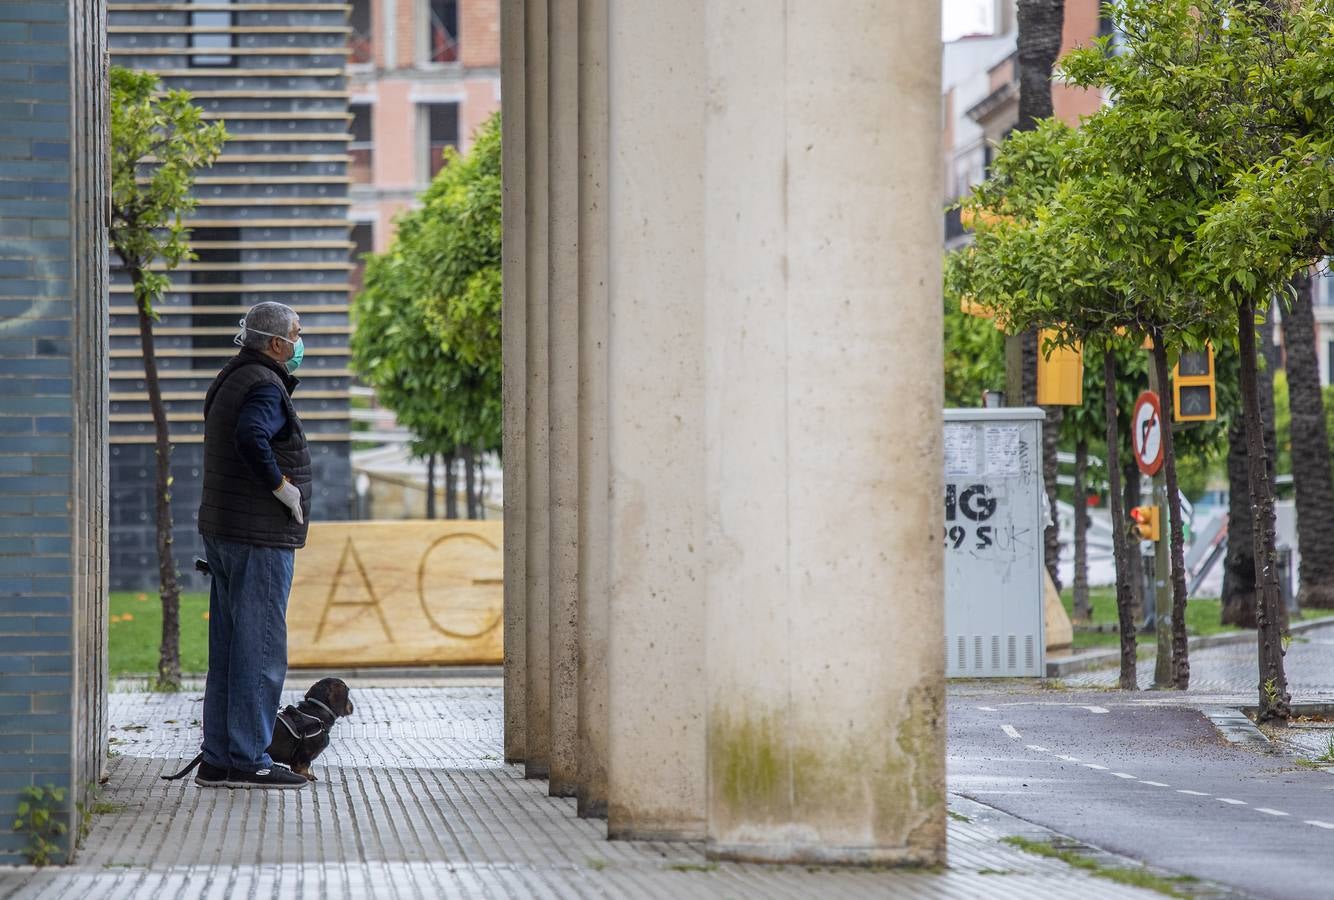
<point x="537" y="583"/>
<point x="514" y="351"/>
<point x="563" y="389"/>
<point x="823" y="348"/>
<point x="594" y="537"/>
<point x="655" y="378"/>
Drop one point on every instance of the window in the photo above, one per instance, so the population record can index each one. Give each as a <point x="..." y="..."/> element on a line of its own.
<point x="216" y="37"/>
<point x="363" y="242"/>
<point x="359" y="41"/>
<point x="442" y="130"/>
<point x="362" y="148"/>
<point x="442" y="31"/>
<point x="219" y="252"/>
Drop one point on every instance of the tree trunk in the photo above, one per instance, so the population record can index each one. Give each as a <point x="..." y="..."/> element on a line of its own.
<point x="470" y="482"/>
<point x="1269" y="352"/>
<point x="1239" y="599"/>
<point x="1121" y="542"/>
<point x="1081" y="591"/>
<point x="1176" y="531"/>
<point x="1312" y="479"/>
<point x="1273" y="688"/>
<point x="169" y="651"/>
<point x="430" y="486"/>
<point x="451" y="488"/>
<point x="1131" y="493"/>
<point x="1039" y="44"/>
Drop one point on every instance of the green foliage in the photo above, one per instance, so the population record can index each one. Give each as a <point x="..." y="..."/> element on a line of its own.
<point x="158" y="141"/>
<point x="40" y="813"/>
<point x="974" y="357"/>
<point x="427" y="323"/>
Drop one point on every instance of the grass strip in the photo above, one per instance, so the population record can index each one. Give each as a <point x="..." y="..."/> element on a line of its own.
<point x="1169" y="886"/>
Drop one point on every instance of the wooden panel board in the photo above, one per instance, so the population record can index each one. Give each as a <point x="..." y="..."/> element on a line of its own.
<point x="396" y="594"/>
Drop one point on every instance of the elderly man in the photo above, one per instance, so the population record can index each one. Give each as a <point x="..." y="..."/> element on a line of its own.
<point x="256" y="502"/>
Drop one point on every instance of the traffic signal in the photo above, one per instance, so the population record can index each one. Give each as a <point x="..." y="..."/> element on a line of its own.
<point x="1193" y="390"/>
<point x="1146" y="522"/>
<point x="1060" y="374"/>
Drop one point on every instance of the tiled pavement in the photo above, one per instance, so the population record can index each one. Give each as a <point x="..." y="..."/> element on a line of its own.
<point x="1233" y="670"/>
<point x="414" y="801"/>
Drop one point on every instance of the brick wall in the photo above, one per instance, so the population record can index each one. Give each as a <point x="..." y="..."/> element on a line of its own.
<point x="479" y="33"/>
<point x="52" y="407"/>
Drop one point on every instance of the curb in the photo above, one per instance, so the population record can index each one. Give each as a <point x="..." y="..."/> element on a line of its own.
<point x="1097" y="659"/>
<point x="1008" y="825"/>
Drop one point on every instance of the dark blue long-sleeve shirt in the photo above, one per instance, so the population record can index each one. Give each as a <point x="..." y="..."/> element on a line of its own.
<point x="262" y="416"/>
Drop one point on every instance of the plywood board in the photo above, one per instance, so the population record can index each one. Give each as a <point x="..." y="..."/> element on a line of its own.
<point x="397" y="594"/>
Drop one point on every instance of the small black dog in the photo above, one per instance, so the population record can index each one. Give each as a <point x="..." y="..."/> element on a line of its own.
<point x="302" y="731"/>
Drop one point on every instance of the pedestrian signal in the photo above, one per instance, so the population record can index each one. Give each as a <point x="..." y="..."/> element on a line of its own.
<point x="1193" y="389"/>
<point x="1146" y="522"/>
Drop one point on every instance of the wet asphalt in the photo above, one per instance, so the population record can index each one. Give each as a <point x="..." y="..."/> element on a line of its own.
<point x="1147" y="776"/>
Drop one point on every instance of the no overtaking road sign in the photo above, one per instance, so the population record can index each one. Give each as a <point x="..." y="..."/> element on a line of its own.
<point x="1146" y="433"/>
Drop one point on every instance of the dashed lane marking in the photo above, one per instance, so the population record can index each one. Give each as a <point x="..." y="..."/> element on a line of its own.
<point x="1192" y="793"/>
<point x="1153" y="783"/>
<point x="1319" y="824"/>
<point x="1011" y="731"/>
<point x="987" y="708"/>
<point x="1067" y="758"/>
<point x="1095" y="766"/>
<point x="1231" y="802"/>
<point x="1124" y="775"/>
<point x="1101" y="710"/>
<point x="1037" y="749"/>
<point x="1270" y="812"/>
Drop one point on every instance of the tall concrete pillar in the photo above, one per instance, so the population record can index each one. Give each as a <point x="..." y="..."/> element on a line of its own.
<point x="514" y="352"/>
<point x="537" y="734"/>
<point x="655" y="406"/>
<point x="563" y="316"/>
<point x="594" y="537"/>
<point x="823" y="369"/>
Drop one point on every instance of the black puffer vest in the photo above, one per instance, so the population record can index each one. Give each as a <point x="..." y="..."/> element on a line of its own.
<point x="235" y="505"/>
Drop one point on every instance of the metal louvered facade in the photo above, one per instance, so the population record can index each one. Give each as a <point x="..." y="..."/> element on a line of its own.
<point x="271" y="224"/>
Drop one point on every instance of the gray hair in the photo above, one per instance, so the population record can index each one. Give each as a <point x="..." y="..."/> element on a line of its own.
<point x="263" y="321"/>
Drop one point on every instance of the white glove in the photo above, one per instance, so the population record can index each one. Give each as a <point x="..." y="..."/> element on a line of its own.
<point x="289" y="496"/>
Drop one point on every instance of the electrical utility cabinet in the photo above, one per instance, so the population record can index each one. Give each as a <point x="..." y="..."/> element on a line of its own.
<point x="995" y="515"/>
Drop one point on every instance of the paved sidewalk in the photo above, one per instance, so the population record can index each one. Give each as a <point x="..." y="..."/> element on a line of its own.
<point x="1233" y="669"/>
<point x="414" y="801"/>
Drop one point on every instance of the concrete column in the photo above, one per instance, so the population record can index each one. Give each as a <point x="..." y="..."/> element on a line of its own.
<point x="594" y="537"/>
<point x="563" y="387"/>
<point x="823" y="350"/>
<point x="537" y="734"/>
<point x="655" y="397"/>
<point x="513" y="352"/>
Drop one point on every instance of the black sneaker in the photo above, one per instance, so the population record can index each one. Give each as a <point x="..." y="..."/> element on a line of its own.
<point x="277" y="777"/>
<point x="210" y="776"/>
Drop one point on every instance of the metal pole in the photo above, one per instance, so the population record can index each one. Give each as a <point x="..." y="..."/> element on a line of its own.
<point x="1162" y="568"/>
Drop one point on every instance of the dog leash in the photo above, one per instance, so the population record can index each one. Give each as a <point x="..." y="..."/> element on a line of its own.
<point x="186" y="771"/>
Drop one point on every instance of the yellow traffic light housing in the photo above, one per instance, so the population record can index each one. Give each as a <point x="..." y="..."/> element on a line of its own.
<point x="1146" y="522"/>
<point x="1194" y="392"/>
<point x="1060" y="375"/>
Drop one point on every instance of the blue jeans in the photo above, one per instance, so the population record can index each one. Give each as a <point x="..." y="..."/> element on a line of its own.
<point x="247" y="651"/>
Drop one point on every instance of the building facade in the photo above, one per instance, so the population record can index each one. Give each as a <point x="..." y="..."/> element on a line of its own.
<point x="53" y="361"/>
<point x="423" y="75"/>
<point x="271" y="225"/>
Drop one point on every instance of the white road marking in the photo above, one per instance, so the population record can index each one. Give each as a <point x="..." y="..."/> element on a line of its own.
<point x="1153" y="783"/>
<point x="1067" y="758"/>
<point x="1038" y="749"/>
<point x="1192" y="793"/>
<point x="1270" y="812"/>
<point x="1319" y="824"/>
<point x="1011" y="731"/>
<point x="987" y="708"/>
<point x="1231" y="802"/>
<point x="1096" y="709"/>
<point x="1123" y="775"/>
<point x="1095" y="766"/>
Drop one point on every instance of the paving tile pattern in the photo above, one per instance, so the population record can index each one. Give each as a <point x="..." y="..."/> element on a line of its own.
<point x="413" y="801"/>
